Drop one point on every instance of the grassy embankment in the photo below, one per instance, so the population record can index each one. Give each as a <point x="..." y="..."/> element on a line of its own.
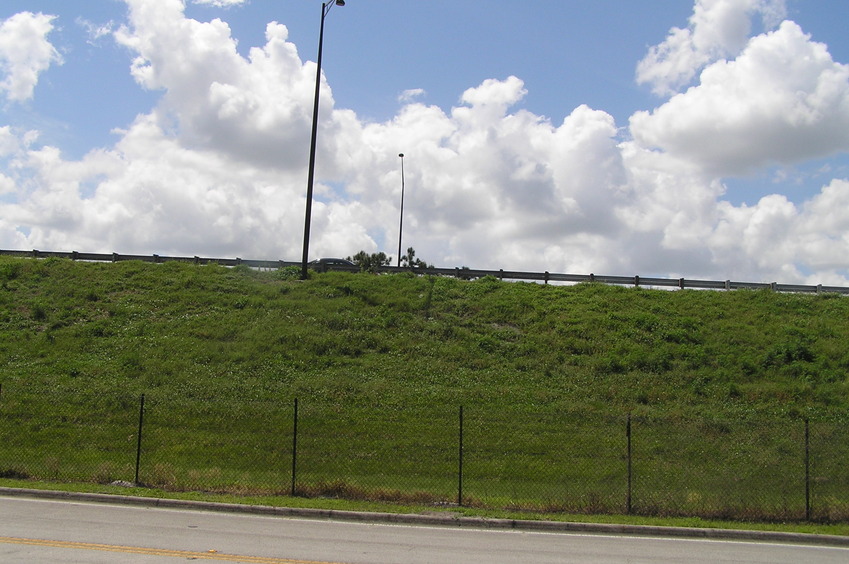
<point x="718" y="384"/>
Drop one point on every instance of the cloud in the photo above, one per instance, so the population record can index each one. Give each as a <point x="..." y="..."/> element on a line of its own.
<point x="718" y="29"/>
<point x="95" y="31"/>
<point x="782" y="100"/>
<point x="410" y="95"/>
<point x="220" y="3"/>
<point x="8" y="141"/>
<point x="258" y="108"/>
<point x="218" y="167"/>
<point x="152" y="193"/>
<point x="25" y="53"/>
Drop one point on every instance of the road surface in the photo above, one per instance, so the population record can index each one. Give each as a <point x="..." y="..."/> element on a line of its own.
<point x="37" y="531"/>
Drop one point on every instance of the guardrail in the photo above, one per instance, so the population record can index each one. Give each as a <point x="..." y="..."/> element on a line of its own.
<point x="458" y="272"/>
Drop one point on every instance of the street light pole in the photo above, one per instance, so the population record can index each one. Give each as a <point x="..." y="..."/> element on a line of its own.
<point x="325" y="8"/>
<point x="401" y="226"/>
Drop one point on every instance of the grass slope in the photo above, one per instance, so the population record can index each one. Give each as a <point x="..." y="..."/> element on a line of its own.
<point x="208" y="331"/>
<point x="380" y="365"/>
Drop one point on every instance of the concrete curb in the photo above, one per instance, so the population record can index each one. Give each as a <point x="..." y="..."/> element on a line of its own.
<point x="436" y="519"/>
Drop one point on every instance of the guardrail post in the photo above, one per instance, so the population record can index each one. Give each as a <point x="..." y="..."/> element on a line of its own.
<point x="139" y="439"/>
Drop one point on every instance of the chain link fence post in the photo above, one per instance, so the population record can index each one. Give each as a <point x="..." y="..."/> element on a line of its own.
<point x="139" y="440"/>
<point x="294" y="446"/>
<point x="628" y="505"/>
<point x="460" y="464"/>
<point x="807" y="470"/>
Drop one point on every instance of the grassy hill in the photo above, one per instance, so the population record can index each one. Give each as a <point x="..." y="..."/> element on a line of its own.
<point x="717" y="383"/>
<point x="208" y="331"/>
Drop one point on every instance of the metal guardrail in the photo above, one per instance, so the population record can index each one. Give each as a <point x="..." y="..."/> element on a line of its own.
<point x="458" y="272"/>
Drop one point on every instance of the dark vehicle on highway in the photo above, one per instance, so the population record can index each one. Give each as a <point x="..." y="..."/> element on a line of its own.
<point x="325" y="264"/>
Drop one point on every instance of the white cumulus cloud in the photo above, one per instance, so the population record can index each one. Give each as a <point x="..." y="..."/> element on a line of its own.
<point x="782" y="100"/>
<point x="218" y="167"/>
<point x="718" y="29"/>
<point x="25" y="53"/>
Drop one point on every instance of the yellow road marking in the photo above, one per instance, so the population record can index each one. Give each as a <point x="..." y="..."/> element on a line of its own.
<point x="210" y="555"/>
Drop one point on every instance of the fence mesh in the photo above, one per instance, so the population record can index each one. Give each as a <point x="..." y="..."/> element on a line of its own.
<point x="382" y="453"/>
<point x="782" y="469"/>
<point x="719" y="468"/>
<point x="544" y="461"/>
<point x="216" y="446"/>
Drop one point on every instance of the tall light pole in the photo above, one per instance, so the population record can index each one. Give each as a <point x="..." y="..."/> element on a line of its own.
<point x="325" y="9"/>
<point x="401" y="226"/>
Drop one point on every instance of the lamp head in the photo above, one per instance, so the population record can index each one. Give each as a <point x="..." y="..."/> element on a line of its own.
<point x="340" y="2"/>
<point x="401" y="155"/>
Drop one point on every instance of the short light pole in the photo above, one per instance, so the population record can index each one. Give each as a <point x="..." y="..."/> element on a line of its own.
<point x="325" y="9"/>
<point x="401" y="225"/>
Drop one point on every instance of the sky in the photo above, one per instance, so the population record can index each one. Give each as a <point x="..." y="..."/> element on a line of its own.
<point x="702" y="139"/>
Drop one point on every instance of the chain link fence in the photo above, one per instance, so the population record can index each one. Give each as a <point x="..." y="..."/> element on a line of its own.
<point x="543" y="461"/>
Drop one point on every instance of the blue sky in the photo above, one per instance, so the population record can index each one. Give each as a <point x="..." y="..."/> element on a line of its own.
<point x="661" y="137"/>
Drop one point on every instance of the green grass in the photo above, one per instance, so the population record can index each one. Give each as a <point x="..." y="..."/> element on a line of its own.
<point x="838" y="529"/>
<point x="717" y="384"/>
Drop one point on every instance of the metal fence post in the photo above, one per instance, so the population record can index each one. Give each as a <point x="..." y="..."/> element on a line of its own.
<point x="807" y="470"/>
<point x="294" y="445"/>
<point x="139" y="439"/>
<point x="460" y="463"/>
<point x="630" y="474"/>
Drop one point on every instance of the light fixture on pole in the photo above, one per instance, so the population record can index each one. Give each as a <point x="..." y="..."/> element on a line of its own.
<point x="325" y="8"/>
<point x="401" y="226"/>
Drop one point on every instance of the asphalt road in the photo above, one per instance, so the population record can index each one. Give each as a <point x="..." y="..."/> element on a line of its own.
<point x="63" y="531"/>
